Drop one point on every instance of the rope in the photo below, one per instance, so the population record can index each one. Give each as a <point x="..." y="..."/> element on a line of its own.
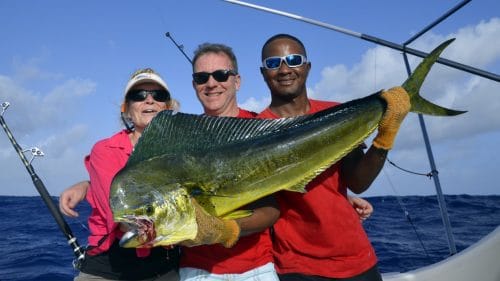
<point x="429" y="174"/>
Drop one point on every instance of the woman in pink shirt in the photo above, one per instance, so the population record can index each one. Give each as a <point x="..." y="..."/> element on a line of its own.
<point x="146" y="94"/>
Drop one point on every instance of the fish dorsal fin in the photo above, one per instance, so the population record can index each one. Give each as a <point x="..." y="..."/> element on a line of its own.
<point x="174" y="132"/>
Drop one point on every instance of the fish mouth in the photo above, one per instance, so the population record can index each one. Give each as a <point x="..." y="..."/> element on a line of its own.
<point x="141" y="232"/>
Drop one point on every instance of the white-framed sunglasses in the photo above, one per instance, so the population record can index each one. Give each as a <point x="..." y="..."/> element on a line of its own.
<point x="292" y="60"/>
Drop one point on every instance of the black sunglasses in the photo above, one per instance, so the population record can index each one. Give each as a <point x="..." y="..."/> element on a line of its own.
<point x="220" y="75"/>
<point x="293" y="60"/>
<point x="141" y="95"/>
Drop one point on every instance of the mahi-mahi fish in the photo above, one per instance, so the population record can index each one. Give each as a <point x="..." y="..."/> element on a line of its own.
<point x="226" y="163"/>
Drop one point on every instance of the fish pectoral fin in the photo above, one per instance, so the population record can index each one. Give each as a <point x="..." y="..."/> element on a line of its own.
<point x="237" y="214"/>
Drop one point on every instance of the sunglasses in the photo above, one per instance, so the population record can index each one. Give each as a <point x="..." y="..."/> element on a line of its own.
<point x="292" y="60"/>
<point x="141" y="95"/>
<point x="220" y="75"/>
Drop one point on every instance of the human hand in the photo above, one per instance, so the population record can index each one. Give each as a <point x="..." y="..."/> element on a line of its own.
<point x="398" y="105"/>
<point x="362" y="207"/>
<point x="71" y="196"/>
<point x="213" y="230"/>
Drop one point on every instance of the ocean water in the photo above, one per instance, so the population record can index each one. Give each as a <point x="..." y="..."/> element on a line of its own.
<point x="407" y="233"/>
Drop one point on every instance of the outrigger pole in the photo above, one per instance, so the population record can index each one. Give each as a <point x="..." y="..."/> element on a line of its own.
<point x="373" y="39"/>
<point x="40" y="187"/>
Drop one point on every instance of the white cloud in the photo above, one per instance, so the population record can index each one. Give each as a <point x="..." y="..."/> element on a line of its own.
<point x="29" y="69"/>
<point x="32" y="110"/>
<point x="477" y="45"/>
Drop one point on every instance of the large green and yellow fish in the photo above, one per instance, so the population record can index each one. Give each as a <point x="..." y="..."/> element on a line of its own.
<point x="226" y="163"/>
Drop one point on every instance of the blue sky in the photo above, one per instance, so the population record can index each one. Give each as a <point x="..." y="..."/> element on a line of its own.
<point x="64" y="65"/>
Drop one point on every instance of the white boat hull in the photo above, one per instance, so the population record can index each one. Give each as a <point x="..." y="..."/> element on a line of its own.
<point x="480" y="261"/>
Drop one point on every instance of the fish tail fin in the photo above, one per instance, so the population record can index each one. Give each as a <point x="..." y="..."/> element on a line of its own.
<point x="414" y="82"/>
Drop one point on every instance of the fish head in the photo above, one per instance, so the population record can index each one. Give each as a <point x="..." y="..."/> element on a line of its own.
<point x="153" y="216"/>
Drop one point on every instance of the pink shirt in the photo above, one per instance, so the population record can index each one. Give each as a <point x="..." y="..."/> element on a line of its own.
<point x="319" y="232"/>
<point x="106" y="158"/>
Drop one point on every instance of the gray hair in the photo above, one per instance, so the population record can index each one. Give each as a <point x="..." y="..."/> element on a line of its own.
<point x="216" y="48"/>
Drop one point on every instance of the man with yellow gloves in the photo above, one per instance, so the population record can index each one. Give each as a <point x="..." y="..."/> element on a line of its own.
<point x="318" y="235"/>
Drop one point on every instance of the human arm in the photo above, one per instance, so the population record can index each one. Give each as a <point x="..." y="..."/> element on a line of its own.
<point x="213" y="230"/>
<point x="265" y="212"/>
<point x="362" y="207"/>
<point x="71" y="197"/>
<point x="359" y="170"/>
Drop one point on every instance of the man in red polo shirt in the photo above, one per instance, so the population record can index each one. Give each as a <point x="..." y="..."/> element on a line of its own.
<point x="319" y="235"/>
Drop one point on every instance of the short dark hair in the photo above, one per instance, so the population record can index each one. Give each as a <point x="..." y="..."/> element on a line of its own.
<point x="280" y="36"/>
<point x="206" y="48"/>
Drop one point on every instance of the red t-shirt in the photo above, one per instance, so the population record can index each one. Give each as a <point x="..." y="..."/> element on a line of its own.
<point x="249" y="252"/>
<point x="319" y="232"/>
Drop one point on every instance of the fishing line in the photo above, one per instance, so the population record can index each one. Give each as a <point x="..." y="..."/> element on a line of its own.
<point x="407" y="214"/>
<point x="40" y="187"/>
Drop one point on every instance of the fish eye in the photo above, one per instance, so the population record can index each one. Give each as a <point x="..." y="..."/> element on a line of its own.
<point x="149" y="210"/>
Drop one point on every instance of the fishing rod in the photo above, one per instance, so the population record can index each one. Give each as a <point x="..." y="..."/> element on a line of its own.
<point x="180" y="47"/>
<point x="373" y="39"/>
<point x="40" y="187"/>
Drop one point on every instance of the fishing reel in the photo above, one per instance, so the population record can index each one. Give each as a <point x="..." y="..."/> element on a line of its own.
<point x="35" y="152"/>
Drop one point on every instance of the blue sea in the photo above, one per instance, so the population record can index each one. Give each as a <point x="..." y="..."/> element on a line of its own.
<point x="407" y="233"/>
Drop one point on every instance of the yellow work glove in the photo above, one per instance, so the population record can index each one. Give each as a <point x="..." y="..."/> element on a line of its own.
<point x="398" y="105"/>
<point x="212" y="230"/>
